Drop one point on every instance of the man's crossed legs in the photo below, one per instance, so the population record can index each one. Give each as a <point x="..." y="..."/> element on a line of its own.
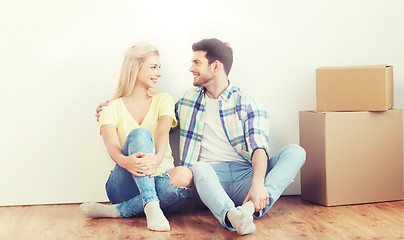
<point x="223" y="186"/>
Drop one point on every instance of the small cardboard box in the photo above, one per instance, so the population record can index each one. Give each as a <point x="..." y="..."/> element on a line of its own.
<point x="352" y="157"/>
<point x="364" y="88"/>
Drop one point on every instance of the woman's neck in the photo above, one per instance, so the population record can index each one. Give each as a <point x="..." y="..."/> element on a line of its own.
<point x="139" y="93"/>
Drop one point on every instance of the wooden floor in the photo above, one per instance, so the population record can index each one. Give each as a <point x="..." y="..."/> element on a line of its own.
<point x="290" y="218"/>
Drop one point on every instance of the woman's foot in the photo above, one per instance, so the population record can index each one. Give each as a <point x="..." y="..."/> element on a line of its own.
<point x="156" y="220"/>
<point x="97" y="210"/>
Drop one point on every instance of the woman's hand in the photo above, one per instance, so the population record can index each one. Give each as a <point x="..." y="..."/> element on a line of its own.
<point x="140" y="164"/>
<point x="151" y="162"/>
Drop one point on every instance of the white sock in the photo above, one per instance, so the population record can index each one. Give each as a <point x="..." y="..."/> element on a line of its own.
<point x="156" y="220"/>
<point x="248" y="207"/>
<point x="97" y="210"/>
<point x="241" y="219"/>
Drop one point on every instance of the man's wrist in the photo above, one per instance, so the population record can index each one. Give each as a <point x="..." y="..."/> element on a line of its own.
<point x="257" y="182"/>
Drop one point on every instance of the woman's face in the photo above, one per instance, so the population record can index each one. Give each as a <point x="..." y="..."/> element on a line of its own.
<point x="149" y="72"/>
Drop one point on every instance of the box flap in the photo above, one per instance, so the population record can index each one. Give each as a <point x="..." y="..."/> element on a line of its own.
<point x="365" y="66"/>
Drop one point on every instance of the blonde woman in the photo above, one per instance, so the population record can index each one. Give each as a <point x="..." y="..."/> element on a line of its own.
<point x="135" y="128"/>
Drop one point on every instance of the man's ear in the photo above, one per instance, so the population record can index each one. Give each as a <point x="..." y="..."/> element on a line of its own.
<point x="216" y="66"/>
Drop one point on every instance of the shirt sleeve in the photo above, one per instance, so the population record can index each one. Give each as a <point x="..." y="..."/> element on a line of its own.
<point x="257" y="128"/>
<point x="108" y="115"/>
<point x="167" y="107"/>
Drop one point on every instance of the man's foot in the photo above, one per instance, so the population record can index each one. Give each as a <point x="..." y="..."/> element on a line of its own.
<point x="156" y="220"/>
<point x="247" y="207"/>
<point x="241" y="219"/>
<point x="97" y="210"/>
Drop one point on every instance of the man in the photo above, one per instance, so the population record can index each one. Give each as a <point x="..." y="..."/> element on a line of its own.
<point x="224" y="140"/>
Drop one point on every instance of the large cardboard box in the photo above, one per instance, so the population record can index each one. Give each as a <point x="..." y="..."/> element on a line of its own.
<point x="352" y="157"/>
<point x="364" y="88"/>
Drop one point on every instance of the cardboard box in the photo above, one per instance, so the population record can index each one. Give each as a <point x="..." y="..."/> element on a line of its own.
<point x="365" y="88"/>
<point x="352" y="157"/>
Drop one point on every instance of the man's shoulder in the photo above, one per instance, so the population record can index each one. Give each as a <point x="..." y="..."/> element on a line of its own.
<point x="191" y="94"/>
<point x="242" y="95"/>
<point x="250" y="104"/>
<point x="188" y="100"/>
<point x="193" y="91"/>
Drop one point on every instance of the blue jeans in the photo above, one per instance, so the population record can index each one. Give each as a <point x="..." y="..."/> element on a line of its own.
<point x="131" y="193"/>
<point x="223" y="186"/>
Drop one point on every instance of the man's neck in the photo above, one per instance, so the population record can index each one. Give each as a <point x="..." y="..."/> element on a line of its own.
<point x="216" y="88"/>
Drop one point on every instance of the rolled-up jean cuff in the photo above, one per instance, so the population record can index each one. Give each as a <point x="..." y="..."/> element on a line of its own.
<point x="147" y="200"/>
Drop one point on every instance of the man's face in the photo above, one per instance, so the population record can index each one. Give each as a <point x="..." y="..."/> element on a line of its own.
<point x="201" y="69"/>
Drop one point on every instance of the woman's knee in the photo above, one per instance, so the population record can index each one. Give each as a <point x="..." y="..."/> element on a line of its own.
<point x="139" y="140"/>
<point x="181" y="176"/>
<point x="139" y="133"/>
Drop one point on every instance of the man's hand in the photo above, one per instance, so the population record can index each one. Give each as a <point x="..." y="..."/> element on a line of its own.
<point x="258" y="194"/>
<point x="99" y="109"/>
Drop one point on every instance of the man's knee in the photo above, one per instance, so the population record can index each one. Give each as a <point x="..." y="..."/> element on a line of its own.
<point x="299" y="154"/>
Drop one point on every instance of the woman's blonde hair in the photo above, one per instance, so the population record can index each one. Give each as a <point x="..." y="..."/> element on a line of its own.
<point x="134" y="58"/>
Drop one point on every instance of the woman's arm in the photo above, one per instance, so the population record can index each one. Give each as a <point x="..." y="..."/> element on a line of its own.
<point x="160" y="143"/>
<point x="161" y="136"/>
<point x="133" y="163"/>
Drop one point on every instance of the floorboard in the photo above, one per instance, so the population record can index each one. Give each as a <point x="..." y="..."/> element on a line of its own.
<point x="289" y="218"/>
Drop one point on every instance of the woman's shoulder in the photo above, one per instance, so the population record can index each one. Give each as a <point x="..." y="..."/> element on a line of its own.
<point x="114" y="105"/>
<point x="111" y="112"/>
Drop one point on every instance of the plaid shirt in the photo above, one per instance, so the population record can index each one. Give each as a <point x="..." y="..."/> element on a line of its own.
<point x="245" y="123"/>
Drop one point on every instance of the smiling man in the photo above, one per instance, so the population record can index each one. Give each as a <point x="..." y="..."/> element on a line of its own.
<point x="224" y="140"/>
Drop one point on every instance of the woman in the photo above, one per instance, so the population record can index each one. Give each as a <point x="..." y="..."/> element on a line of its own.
<point x="135" y="128"/>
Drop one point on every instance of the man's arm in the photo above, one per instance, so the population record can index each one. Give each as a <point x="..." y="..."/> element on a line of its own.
<point x="258" y="194"/>
<point x="256" y="132"/>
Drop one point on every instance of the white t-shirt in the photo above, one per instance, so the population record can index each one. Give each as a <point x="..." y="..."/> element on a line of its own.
<point x="215" y="144"/>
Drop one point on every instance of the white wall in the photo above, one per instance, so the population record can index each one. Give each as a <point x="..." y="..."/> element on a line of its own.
<point x="59" y="59"/>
